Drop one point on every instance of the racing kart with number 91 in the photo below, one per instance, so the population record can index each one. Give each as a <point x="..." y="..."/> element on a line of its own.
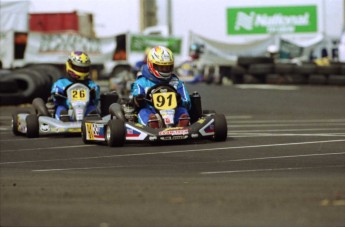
<point x="123" y="125"/>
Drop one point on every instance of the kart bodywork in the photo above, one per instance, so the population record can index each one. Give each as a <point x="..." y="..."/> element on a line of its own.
<point x="120" y="129"/>
<point x="42" y="121"/>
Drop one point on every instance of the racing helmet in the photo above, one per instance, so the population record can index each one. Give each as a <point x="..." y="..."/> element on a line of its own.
<point x="160" y="61"/>
<point x="78" y="65"/>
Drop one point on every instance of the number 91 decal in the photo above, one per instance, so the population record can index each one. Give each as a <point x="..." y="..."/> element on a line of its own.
<point x="164" y="101"/>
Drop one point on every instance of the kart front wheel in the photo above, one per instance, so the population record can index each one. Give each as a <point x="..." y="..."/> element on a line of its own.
<point x="115" y="133"/>
<point x="220" y="128"/>
<point x="32" y="126"/>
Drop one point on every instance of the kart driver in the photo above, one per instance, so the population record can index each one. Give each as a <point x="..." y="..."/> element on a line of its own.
<point x="78" y="70"/>
<point x="159" y="70"/>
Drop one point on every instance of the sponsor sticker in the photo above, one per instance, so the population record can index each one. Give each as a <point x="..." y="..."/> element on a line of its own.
<point x="45" y="128"/>
<point x="94" y="131"/>
<point x="173" y="132"/>
<point x="74" y="130"/>
<point x="181" y="137"/>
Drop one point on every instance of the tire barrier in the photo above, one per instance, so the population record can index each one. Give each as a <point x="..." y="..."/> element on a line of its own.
<point x="22" y="85"/>
<point x="264" y="70"/>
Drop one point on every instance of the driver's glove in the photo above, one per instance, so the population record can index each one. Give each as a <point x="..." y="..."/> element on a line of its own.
<point x="139" y="101"/>
<point x="59" y="98"/>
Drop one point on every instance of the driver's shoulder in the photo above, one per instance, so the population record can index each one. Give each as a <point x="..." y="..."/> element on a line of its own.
<point x="174" y="77"/>
<point x="92" y="84"/>
<point x="62" y="82"/>
<point x="175" y="80"/>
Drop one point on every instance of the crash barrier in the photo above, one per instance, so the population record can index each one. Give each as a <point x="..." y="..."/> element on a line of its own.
<point x="264" y="70"/>
<point x="23" y="85"/>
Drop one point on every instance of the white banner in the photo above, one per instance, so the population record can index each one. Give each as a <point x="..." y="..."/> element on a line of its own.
<point x="14" y="16"/>
<point x="6" y="49"/>
<point x="55" y="47"/>
<point x="216" y="52"/>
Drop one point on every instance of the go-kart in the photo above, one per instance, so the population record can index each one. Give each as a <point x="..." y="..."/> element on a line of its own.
<point x="123" y="126"/>
<point x="42" y="122"/>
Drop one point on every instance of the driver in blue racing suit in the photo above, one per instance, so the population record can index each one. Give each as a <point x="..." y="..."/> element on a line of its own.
<point x="78" y="69"/>
<point x="159" y="70"/>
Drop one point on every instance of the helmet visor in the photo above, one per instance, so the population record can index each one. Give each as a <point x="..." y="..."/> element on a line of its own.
<point x="163" y="68"/>
<point x="80" y="68"/>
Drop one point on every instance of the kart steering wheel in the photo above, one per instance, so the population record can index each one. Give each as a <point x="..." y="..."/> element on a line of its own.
<point x="157" y="88"/>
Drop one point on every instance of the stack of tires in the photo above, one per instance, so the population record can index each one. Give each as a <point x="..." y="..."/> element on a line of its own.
<point x="21" y="86"/>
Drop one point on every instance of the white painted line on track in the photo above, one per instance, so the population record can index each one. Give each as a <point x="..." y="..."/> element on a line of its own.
<point x="283" y="157"/>
<point x="290" y="121"/>
<point x="84" y="168"/>
<point x="47" y="148"/>
<point x="213" y="149"/>
<point x="232" y="132"/>
<point x="267" y="87"/>
<point x="286" y="130"/>
<point x="238" y="117"/>
<point x="283" y="125"/>
<point x="246" y="135"/>
<point x="235" y="160"/>
<point x="22" y="138"/>
<point x="270" y="170"/>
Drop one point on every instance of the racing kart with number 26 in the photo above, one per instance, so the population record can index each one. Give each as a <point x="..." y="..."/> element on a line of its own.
<point x="42" y="121"/>
<point x="123" y="126"/>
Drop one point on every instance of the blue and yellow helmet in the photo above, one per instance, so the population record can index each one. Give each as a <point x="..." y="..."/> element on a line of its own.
<point x="78" y="65"/>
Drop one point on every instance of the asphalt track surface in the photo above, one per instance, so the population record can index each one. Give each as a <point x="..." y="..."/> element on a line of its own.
<point x="283" y="164"/>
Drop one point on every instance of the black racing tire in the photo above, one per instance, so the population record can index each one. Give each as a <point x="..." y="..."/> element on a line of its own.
<point x="220" y="128"/>
<point x="328" y="70"/>
<point x="261" y="69"/>
<point x="32" y="126"/>
<point x="115" y="109"/>
<point x="284" y="68"/>
<point x="237" y="74"/>
<point x="15" y="125"/>
<point x="247" y="61"/>
<point x="52" y="72"/>
<point x="40" y="107"/>
<point x="305" y="69"/>
<point x="115" y="133"/>
<point x="342" y="69"/>
<point x="8" y="85"/>
<point x="208" y="111"/>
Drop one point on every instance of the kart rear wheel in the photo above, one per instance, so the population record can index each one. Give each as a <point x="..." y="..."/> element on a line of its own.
<point x="15" y="125"/>
<point x="208" y="111"/>
<point x="32" y="126"/>
<point x="115" y="133"/>
<point x="220" y="128"/>
<point x="115" y="109"/>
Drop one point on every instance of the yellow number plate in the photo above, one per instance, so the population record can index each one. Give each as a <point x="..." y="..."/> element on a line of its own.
<point x="78" y="95"/>
<point x="164" y="101"/>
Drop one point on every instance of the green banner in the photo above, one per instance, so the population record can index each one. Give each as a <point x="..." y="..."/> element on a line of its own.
<point x="264" y="20"/>
<point x="140" y="42"/>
